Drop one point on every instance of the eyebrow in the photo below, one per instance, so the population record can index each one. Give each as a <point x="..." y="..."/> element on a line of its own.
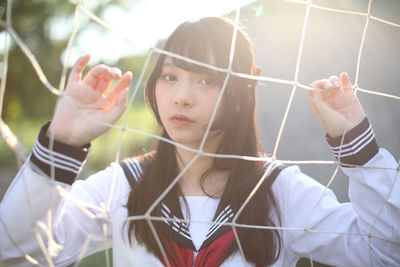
<point x="168" y="64"/>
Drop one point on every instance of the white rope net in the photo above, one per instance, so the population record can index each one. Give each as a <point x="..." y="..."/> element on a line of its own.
<point x="80" y="10"/>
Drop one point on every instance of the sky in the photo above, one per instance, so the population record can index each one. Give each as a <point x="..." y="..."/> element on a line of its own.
<point x="147" y="22"/>
<point x="136" y="29"/>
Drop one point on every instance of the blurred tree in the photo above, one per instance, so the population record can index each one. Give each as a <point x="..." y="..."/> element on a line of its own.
<point x="25" y="95"/>
<point x="28" y="103"/>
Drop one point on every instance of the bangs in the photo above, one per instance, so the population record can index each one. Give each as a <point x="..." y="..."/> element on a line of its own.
<point x="201" y="42"/>
<point x="209" y="40"/>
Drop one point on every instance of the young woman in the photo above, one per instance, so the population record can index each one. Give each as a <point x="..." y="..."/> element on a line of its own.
<point x="55" y="221"/>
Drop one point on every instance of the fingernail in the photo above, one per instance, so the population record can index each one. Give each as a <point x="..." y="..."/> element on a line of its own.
<point x="86" y="56"/>
<point x="117" y="72"/>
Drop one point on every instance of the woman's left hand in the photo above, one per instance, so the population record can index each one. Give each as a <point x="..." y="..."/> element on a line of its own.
<point x="335" y="105"/>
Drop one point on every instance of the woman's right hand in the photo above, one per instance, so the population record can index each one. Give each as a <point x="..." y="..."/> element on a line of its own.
<point x="85" y="107"/>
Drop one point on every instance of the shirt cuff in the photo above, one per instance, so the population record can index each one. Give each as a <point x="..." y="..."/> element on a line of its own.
<point x="66" y="160"/>
<point x="357" y="147"/>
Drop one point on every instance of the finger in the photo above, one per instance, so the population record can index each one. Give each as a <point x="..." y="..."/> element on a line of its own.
<point x="328" y="85"/>
<point x="334" y="80"/>
<point x="77" y="69"/>
<point x="326" y="89"/>
<point x="345" y="81"/>
<point x="317" y="84"/>
<point x="115" y="111"/>
<point x="121" y="85"/>
<point x="316" y="93"/>
<point x="121" y="99"/>
<point x="116" y="72"/>
<point x="104" y="81"/>
<point x="314" y="97"/>
<point x="95" y="74"/>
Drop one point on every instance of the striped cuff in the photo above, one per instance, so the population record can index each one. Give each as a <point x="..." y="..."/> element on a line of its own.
<point x="66" y="159"/>
<point x="358" y="147"/>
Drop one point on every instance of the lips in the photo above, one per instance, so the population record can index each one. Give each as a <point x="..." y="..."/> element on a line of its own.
<point x="180" y="120"/>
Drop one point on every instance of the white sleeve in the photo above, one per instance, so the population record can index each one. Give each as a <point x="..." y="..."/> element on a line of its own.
<point x="365" y="232"/>
<point x="64" y="218"/>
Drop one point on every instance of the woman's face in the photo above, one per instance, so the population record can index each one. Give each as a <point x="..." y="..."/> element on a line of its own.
<point x="185" y="102"/>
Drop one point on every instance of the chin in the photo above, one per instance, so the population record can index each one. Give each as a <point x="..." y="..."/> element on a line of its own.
<point x="187" y="141"/>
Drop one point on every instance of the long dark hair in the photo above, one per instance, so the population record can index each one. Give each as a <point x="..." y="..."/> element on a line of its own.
<point x="209" y="40"/>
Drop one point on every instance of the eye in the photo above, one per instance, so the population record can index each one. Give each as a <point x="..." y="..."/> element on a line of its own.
<point x="208" y="82"/>
<point x="169" y="77"/>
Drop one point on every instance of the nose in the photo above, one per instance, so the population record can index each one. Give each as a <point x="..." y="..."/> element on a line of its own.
<point x="184" y="95"/>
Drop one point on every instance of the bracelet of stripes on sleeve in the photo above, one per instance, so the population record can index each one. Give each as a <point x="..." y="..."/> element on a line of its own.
<point x="357" y="147"/>
<point x="66" y="160"/>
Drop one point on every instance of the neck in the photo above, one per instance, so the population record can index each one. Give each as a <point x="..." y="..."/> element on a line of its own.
<point x="192" y="183"/>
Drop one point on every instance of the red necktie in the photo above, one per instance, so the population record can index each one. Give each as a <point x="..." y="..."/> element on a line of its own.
<point x="212" y="255"/>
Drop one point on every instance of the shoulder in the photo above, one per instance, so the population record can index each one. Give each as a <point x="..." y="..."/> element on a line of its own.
<point x="270" y="172"/>
<point x="135" y="167"/>
<point x="291" y="181"/>
<point x="273" y="169"/>
<point x="292" y="176"/>
<point x="118" y="179"/>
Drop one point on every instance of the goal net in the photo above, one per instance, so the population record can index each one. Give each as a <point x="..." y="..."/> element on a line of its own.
<point x="296" y="42"/>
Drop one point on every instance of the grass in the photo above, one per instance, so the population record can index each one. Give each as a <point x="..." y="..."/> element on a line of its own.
<point x="96" y="260"/>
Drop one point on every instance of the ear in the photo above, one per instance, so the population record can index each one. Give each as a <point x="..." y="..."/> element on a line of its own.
<point x="256" y="72"/>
